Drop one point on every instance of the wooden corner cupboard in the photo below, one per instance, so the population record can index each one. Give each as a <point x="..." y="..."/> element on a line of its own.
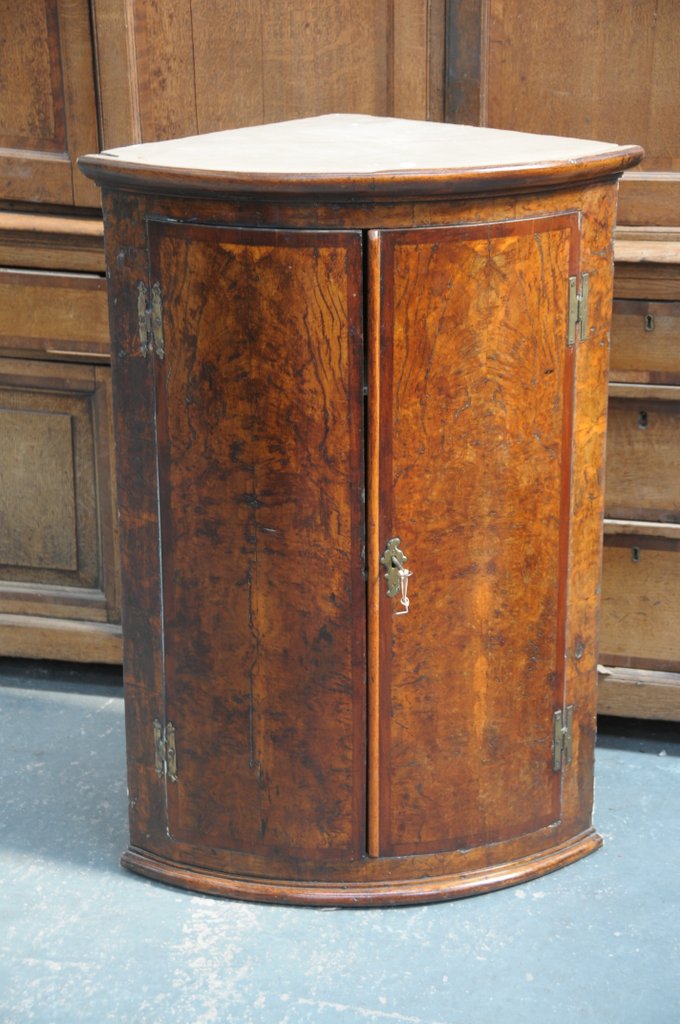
<point x="360" y="371"/>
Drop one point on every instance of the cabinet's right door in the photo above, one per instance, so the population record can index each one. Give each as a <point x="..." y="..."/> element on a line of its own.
<point x="471" y="390"/>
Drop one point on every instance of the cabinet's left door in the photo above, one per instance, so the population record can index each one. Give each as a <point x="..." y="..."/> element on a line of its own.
<point x="48" y="108"/>
<point x="259" y="415"/>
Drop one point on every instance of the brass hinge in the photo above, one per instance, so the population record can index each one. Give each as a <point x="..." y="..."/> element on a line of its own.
<point x="562" y="735"/>
<point x="578" y="309"/>
<point x="165" y="751"/>
<point x="150" y="318"/>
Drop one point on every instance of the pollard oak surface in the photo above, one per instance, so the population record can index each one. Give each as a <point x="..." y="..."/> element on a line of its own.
<point x="329" y="334"/>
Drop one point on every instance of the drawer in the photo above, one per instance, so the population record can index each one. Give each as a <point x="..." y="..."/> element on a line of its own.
<point x="643" y="454"/>
<point x="54" y="315"/>
<point x="640" y="599"/>
<point x="645" y="342"/>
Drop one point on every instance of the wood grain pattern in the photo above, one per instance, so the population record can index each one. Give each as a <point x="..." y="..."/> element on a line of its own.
<point x="614" y="75"/>
<point x="50" y="313"/>
<point x="260" y="425"/>
<point x="290" y="869"/>
<point x="639" y="693"/>
<point x="475" y="482"/>
<point x="641" y="590"/>
<point x="50" y="242"/>
<point x="37" y="636"/>
<point x="645" y="342"/>
<point x="58" y="545"/>
<point x="168" y="70"/>
<point x="48" y="117"/>
<point x="643" y="461"/>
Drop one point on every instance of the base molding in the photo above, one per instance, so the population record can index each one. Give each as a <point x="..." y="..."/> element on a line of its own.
<point x="362" y="894"/>
<point x="638" y="693"/>
<point x="34" y="636"/>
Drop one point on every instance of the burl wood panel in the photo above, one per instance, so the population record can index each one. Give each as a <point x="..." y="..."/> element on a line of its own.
<point x="260" y="441"/>
<point x="305" y="877"/>
<point x="475" y="458"/>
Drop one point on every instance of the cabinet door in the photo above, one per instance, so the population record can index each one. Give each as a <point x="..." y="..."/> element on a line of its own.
<point x="48" y="112"/>
<point x="58" y="558"/>
<point x="471" y="440"/>
<point x="260" y="425"/>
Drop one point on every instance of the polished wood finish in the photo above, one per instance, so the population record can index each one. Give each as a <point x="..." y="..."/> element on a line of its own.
<point x="58" y="552"/>
<point x="613" y="74"/>
<point x="493" y="555"/>
<point x="259" y="425"/>
<point x="327" y="751"/>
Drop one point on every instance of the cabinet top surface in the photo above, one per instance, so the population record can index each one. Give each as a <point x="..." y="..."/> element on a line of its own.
<point x="349" y="150"/>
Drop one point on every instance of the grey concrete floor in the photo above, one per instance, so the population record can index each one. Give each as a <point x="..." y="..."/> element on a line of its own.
<point x="81" y="940"/>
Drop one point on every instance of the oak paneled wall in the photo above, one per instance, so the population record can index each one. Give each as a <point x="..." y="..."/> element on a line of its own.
<point x="193" y="66"/>
<point x="600" y="69"/>
<point x="48" y="111"/>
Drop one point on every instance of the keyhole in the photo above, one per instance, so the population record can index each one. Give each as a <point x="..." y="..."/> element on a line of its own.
<point x="649" y="322"/>
<point x="635" y="554"/>
<point x="643" y="420"/>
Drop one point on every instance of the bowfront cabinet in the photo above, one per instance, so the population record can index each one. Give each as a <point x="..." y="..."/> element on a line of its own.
<point x="360" y="411"/>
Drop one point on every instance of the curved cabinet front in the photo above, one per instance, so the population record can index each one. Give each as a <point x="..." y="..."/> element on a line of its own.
<point x="298" y="383"/>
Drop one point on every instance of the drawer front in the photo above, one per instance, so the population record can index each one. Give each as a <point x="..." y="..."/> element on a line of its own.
<point x="640" y="600"/>
<point x="643" y="459"/>
<point x="645" y="342"/>
<point x="54" y="315"/>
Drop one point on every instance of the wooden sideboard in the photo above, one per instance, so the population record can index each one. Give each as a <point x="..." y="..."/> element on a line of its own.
<point x="360" y="418"/>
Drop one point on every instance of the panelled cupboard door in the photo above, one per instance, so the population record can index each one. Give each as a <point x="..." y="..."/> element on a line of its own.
<point x="48" y="109"/>
<point x="260" y="426"/>
<point x="472" y="460"/>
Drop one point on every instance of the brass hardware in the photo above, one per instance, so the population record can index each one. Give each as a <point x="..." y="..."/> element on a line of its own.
<point x="649" y="322"/>
<point x="165" y="750"/>
<point x="150" y="320"/>
<point x="643" y="420"/>
<point x="158" y="746"/>
<point x="157" y="320"/>
<point x="635" y="554"/>
<point x="393" y="559"/>
<point x="578" y="309"/>
<point x="562" y="737"/>
<point x="397" y="576"/>
<point x="144" y="318"/>
<point x="170" y="752"/>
